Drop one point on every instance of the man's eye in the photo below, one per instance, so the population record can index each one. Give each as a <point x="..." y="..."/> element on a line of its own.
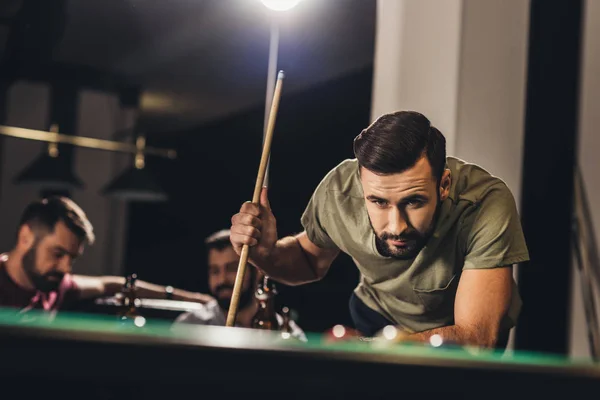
<point x="415" y="203"/>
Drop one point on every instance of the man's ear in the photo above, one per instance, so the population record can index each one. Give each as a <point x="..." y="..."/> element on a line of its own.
<point x="445" y="184"/>
<point x="25" y="237"/>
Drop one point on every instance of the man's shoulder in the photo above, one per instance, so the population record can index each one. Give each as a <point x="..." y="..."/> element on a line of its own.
<point x="342" y="178"/>
<point x="473" y="183"/>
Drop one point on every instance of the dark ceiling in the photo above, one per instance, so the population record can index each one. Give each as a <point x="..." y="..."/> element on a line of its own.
<point x="194" y="60"/>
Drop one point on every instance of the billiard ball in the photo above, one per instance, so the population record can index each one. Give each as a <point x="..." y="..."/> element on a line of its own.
<point x="341" y="333"/>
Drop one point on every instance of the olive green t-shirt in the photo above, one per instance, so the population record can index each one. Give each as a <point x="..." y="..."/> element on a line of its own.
<point x="478" y="227"/>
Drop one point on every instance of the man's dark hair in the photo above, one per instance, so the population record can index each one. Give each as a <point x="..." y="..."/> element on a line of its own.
<point x="218" y="240"/>
<point x="43" y="215"/>
<point x="396" y="141"/>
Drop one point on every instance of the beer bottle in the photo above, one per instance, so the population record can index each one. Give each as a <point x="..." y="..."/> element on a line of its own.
<point x="130" y="300"/>
<point x="265" y="317"/>
<point x="286" y="328"/>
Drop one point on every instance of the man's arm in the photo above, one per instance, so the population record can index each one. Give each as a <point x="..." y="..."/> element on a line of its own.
<point x="100" y="286"/>
<point x="292" y="260"/>
<point x="296" y="260"/>
<point x="494" y="242"/>
<point x="482" y="300"/>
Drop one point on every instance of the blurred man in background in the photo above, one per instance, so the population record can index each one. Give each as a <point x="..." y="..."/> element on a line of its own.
<point x="37" y="272"/>
<point x="223" y="264"/>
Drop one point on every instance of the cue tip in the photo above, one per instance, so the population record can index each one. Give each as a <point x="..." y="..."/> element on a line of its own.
<point x="280" y="75"/>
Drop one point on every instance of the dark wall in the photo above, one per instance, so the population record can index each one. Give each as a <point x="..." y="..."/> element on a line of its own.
<point x="216" y="171"/>
<point x="551" y="124"/>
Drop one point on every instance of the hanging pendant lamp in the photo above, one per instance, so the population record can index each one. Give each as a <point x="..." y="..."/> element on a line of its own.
<point x="50" y="171"/>
<point x="135" y="183"/>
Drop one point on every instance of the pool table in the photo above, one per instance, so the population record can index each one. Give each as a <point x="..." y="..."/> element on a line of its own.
<point x="85" y="356"/>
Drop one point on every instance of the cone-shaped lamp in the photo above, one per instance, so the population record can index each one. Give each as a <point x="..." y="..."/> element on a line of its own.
<point x="48" y="170"/>
<point x="135" y="184"/>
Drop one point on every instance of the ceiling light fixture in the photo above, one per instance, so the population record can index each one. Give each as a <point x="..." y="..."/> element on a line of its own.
<point x="49" y="171"/>
<point x="280" y="5"/>
<point x="135" y="184"/>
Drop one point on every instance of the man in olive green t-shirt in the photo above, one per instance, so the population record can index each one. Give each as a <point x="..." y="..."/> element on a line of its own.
<point x="434" y="237"/>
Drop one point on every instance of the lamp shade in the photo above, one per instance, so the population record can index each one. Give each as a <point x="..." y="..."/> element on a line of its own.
<point x="135" y="185"/>
<point x="49" y="172"/>
<point x="280" y="5"/>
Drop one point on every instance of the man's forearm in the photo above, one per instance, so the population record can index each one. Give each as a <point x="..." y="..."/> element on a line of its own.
<point x="457" y="335"/>
<point x="289" y="264"/>
<point x="114" y="285"/>
<point x="153" y="291"/>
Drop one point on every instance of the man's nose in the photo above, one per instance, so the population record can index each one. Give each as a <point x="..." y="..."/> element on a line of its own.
<point x="220" y="278"/>
<point x="397" y="222"/>
<point x="65" y="265"/>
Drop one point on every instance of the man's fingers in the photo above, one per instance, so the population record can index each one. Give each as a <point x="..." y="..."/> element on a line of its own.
<point x="246" y="219"/>
<point x="250" y="208"/>
<point x="239" y="240"/>
<point x="245" y="230"/>
<point x="243" y="234"/>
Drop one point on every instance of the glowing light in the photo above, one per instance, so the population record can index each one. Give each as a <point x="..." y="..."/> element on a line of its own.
<point x="339" y="331"/>
<point x="390" y="332"/>
<point x="285" y="335"/>
<point x="139" y="321"/>
<point x="166" y="103"/>
<point x="280" y="5"/>
<point x="436" y="340"/>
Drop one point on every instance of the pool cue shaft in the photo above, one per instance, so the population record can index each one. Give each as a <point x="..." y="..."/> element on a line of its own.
<point x="264" y="160"/>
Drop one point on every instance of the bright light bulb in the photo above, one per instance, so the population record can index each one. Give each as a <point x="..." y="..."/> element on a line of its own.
<point x="280" y="5"/>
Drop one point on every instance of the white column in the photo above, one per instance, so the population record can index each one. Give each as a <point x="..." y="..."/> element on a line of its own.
<point x="417" y="54"/>
<point x="492" y="87"/>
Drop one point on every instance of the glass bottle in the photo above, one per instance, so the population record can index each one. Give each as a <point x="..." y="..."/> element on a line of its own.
<point x="130" y="300"/>
<point x="266" y="317"/>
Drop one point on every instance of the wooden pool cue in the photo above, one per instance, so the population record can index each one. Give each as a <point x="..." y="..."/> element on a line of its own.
<point x="239" y="279"/>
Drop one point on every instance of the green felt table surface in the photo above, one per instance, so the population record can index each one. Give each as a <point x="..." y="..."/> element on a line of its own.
<point x="105" y="328"/>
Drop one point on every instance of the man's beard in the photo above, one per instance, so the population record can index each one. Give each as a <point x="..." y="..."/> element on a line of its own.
<point x="43" y="282"/>
<point x="414" y="241"/>
<point x="245" y="299"/>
